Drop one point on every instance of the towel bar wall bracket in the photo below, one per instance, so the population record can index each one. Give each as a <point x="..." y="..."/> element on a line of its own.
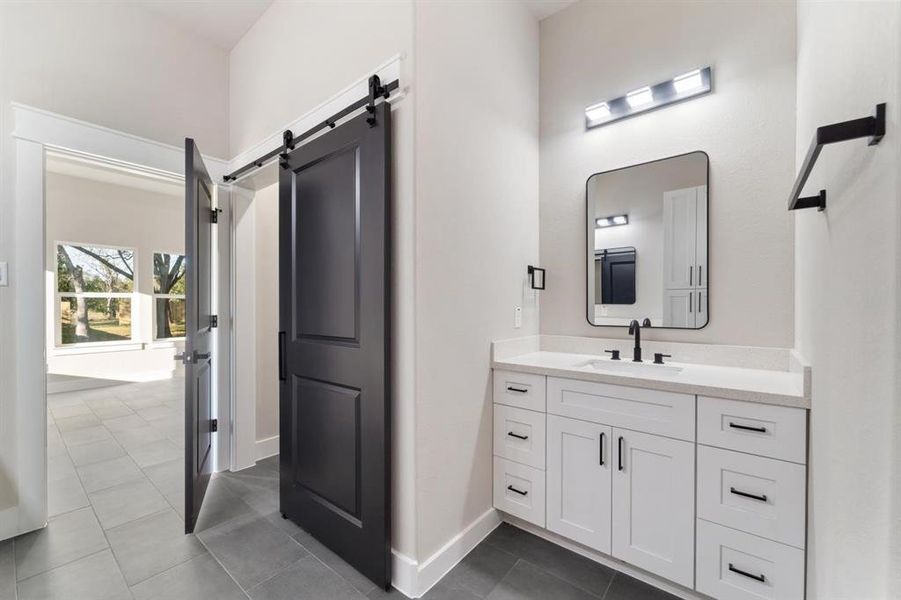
<point x="872" y="127"/>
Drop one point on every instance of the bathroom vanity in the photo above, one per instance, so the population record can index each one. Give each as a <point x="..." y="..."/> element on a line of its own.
<point x="695" y="473"/>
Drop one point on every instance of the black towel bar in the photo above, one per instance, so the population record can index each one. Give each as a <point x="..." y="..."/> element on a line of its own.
<point x="872" y="127"/>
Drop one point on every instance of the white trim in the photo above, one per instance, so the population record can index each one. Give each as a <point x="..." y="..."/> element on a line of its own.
<point x="95" y="348"/>
<point x="243" y="288"/>
<point x="415" y="579"/>
<point x="387" y="72"/>
<point x="267" y="447"/>
<point x="608" y="561"/>
<point x="108" y="145"/>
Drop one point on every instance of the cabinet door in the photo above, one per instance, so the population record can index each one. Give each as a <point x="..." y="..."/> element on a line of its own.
<point x="700" y="280"/>
<point x="679" y="308"/>
<point x="653" y="504"/>
<point x="578" y="481"/>
<point x="680" y="238"/>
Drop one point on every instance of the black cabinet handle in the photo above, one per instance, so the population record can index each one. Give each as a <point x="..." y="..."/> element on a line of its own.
<point x="761" y="497"/>
<point x="620" y="452"/>
<point x="516" y="389"/>
<point x="760" y="578"/>
<point x="699" y="303"/>
<point x="601" y="451"/>
<point x="700" y="279"/>
<point x="520" y="492"/>
<point x="517" y="436"/>
<point x="282" y="358"/>
<point x="690" y="300"/>
<point x="691" y="271"/>
<point x="747" y="427"/>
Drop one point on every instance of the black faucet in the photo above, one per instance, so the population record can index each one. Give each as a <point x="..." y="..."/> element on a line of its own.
<point x="635" y="329"/>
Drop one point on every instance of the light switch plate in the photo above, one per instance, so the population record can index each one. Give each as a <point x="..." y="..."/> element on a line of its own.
<point x="517" y="317"/>
<point x="4" y="274"/>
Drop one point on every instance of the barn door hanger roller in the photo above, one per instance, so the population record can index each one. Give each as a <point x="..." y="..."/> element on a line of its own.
<point x="290" y="141"/>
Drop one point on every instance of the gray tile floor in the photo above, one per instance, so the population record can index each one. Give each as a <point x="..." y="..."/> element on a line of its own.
<point x="116" y="526"/>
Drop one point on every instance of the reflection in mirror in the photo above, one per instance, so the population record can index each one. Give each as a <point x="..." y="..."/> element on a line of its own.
<point x="647" y="243"/>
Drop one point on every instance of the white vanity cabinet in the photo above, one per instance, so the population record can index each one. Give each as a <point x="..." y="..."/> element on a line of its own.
<point x="708" y="493"/>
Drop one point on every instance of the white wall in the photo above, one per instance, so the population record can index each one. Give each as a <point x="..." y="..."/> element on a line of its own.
<point x="848" y="316"/>
<point x="594" y="51"/>
<point x="87" y="211"/>
<point x="476" y="219"/>
<point x="265" y="260"/>
<point x="299" y="54"/>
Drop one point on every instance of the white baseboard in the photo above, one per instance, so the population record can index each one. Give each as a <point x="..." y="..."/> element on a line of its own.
<point x="267" y="447"/>
<point x="415" y="579"/>
<point x="657" y="582"/>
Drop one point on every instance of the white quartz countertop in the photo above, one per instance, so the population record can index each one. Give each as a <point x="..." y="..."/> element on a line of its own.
<point x="785" y="388"/>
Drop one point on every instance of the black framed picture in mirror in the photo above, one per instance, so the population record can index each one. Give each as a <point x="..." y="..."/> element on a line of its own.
<point x="646" y="243"/>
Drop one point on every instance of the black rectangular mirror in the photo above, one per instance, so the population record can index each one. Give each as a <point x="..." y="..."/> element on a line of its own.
<point x="646" y="242"/>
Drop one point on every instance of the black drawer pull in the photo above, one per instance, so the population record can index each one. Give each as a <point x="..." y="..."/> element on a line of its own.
<point x="761" y="497"/>
<point x="620" y="457"/>
<point x="601" y="451"/>
<point x="760" y="578"/>
<point x="517" y="436"/>
<point x="747" y="427"/>
<point x="520" y="492"/>
<point x="517" y="390"/>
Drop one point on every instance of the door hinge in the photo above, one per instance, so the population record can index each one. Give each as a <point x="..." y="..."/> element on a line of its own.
<point x="214" y="215"/>
<point x="214" y="321"/>
<point x="214" y="425"/>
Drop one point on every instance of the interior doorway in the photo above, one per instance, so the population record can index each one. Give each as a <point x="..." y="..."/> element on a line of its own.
<point x="115" y="318"/>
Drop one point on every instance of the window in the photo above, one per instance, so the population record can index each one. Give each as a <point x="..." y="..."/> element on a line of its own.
<point x="95" y="289"/>
<point x="168" y="295"/>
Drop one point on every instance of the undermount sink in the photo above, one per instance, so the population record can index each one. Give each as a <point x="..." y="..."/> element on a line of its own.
<point x="626" y="367"/>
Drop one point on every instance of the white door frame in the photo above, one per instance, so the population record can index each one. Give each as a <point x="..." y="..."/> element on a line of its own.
<point x="24" y="418"/>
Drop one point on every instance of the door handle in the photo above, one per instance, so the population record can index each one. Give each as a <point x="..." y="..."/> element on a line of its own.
<point x="761" y="578"/>
<point x="184" y="357"/>
<point x="199" y="356"/>
<point x="601" y="450"/>
<point x="761" y="497"/>
<point x="517" y="436"/>
<point x="520" y="492"/>
<point x="747" y="427"/>
<point x="620" y="452"/>
<point x="282" y="358"/>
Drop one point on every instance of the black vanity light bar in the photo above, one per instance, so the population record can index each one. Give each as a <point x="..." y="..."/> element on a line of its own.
<point x="611" y="221"/>
<point x="688" y="85"/>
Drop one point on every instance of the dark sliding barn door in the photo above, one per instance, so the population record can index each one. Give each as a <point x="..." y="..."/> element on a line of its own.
<point x="333" y="341"/>
<point x="198" y="357"/>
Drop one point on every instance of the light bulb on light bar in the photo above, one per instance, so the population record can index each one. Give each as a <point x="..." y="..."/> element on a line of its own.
<point x="640" y="97"/>
<point x="688" y="82"/>
<point x="688" y="85"/>
<point x="611" y="221"/>
<point x="598" y="112"/>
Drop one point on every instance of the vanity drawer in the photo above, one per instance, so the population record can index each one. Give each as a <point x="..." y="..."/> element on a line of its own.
<point x="651" y="411"/>
<point x="774" y="431"/>
<point x="522" y="390"/>
<point x="758" y="495"/>
<point x="519" y="490"/>
<point x="760" y="569"/>
<point x="519" y="435"/>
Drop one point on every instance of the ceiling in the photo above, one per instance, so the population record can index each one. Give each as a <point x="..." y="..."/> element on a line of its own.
<point x="545" y="8"/>
<point x="222" y="22"/>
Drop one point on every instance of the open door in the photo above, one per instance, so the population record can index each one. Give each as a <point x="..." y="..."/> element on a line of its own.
<point x="200" y="217"/>
<point x="333" y="341"/>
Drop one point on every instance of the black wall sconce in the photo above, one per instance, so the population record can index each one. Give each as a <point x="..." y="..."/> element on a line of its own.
<point x="536" y="277"/>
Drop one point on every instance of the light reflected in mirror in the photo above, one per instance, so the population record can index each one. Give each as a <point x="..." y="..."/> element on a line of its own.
<point x="647" y="243"/>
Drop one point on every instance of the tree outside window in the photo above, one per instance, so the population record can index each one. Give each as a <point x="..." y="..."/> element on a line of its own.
<point x="169" y="295"/>
<point x="95" y="289"/>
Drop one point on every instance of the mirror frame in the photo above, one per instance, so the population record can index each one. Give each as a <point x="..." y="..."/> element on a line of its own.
<point x="585" y="245"/>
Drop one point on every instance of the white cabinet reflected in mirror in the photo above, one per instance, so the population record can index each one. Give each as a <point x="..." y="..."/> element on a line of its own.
<point x="647" y="243"/>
